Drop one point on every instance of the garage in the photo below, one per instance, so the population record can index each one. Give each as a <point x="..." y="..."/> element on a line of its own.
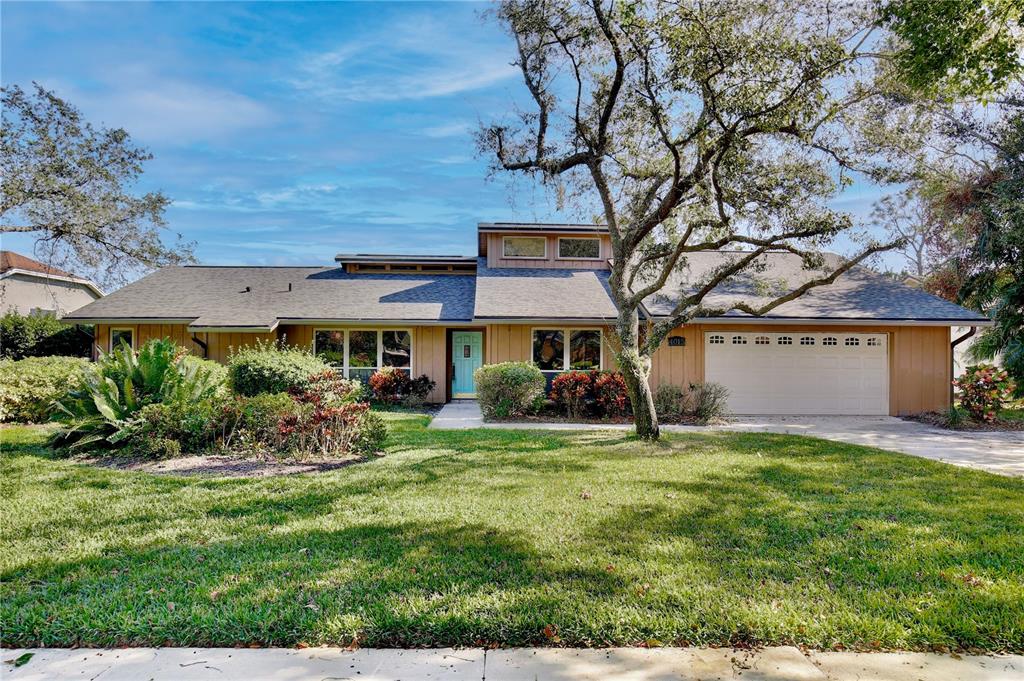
<point x="800" y="373"/>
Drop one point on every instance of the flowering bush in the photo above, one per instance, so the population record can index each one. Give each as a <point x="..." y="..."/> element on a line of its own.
<point x="610" y="394"/>
<point x="394" y="386"/>
<point x="571" y="390"/>
<point x="983" y="389"/>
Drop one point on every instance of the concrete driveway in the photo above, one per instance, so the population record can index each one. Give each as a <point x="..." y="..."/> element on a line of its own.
<point x="994" y="451"/>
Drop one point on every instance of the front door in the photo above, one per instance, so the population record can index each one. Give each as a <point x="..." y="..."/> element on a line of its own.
<point x="467" y="357"/>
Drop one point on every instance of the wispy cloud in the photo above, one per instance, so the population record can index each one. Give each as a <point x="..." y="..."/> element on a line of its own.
<point x="415" y="58"/>
<point x="454" y="129"/>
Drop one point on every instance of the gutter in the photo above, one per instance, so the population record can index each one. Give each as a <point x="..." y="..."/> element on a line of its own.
<point x="952" y="359"/>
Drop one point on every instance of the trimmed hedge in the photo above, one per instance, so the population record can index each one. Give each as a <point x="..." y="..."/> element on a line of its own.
<point x="271" y="368"/>
<point x="509" y="389"/>
<point x="29" y="387"/>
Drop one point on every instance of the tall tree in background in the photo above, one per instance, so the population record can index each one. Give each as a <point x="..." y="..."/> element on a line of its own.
<point x="695" y="126"/>
<point x="69" y="185"/>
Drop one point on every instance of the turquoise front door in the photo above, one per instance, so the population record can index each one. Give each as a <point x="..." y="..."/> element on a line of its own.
<point x="467" y="357"/>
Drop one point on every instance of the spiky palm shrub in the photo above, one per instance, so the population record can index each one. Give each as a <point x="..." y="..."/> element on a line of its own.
<point x="121" y="383"/>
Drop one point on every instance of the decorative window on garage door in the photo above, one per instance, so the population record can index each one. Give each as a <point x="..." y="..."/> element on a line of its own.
<point x="830" y="340"/>
<point x="852" y="341"/>
<point x="716" y="340"/>
<point x="807" y="340"/>
<point x="762" y="340"/>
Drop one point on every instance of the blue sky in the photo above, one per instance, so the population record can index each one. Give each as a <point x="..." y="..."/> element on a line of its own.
<point x="287" y="132"/>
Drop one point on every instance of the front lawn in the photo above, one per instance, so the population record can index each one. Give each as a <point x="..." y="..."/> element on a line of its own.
<point x="520" y="537"/>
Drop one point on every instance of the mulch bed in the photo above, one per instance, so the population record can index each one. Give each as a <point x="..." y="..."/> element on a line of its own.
<point x="611" y="420"/>
<point x="939" y="421"/>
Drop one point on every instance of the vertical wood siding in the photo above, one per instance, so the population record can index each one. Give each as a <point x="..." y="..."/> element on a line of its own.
<point x="219" y="344"/>
<point x="495" y="259"/>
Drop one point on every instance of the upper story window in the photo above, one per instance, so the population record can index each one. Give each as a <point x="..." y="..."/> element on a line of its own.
<point x="579" y="248"/>
<point x="525" y="247"/>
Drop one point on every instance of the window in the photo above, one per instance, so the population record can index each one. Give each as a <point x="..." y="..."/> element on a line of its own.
<point x="784" y="340"/>
<point x="525" y="247"/>
<point x="874" y="342"/>
<point x="585" y="350"/>
<point x="829" y="340"/>
<point x="761" y="340"/>
<point x="581" y="353"/>
<point x="807" y="340"/>
<point x="739" y="340"/>
<point x="121" y="336"/>
<point x="358" y="353"/>
<point x="716" y="340"/>
<point x="582" y="249"/>
<point x="852" y="341"/>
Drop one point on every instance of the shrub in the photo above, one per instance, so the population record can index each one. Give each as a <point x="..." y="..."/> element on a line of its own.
<point x="708" y="401"/>
<point x="249" y="425"/>
<point x="394" y="386"/>
<point x="570" y="391"/>
<point x="40" y="336"/>
<point x="953" y="418"/>
<point x="120" y="384"/>
<point x="29" y="387"/>
<point x="509" y="389"/>
<point x="271" y="368"/>
<point x="983" y="390"/>
<point x="669" y="401"/>
<point x="610" y="394"/>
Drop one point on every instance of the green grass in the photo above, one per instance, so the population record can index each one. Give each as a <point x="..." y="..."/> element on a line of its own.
<point x="480" y="537"/>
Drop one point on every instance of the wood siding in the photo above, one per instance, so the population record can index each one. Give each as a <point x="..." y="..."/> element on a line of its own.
<point x="219" y="344"/>
<point x="495" y="251"/>
<point x="919" y="360"/>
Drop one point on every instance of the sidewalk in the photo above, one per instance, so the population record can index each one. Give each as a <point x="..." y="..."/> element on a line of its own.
<point x="519" y="664"/>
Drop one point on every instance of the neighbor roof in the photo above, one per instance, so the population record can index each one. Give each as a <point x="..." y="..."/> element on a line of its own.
<point x="258" y="298"/>
<point x="859" y="294"/>
<point x="528" y="293"/>
<point x="9" y="260"/>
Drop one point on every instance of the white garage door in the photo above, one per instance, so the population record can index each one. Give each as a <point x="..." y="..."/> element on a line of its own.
<point x="800" y="373"/>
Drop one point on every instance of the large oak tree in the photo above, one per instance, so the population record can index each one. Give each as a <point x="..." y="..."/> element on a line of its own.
<point x="694" y="126"/>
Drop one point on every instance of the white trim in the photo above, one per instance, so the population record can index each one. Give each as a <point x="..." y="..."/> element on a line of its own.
<point x="544" y="238"/>
<point x="110" y="336"/>
<point x="56" y="277"/>
<point x="566" y="345"/>
<point x="558" y="248"/>
<point x="346" y="331"/>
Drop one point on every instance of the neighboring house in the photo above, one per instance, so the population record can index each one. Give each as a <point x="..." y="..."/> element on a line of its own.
<point x="863" y="345"/>
<point x="29" y="287"/>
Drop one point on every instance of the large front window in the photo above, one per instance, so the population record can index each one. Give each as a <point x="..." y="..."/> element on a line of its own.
<point x="551" y="353"/>
<point x="358" y="352"/>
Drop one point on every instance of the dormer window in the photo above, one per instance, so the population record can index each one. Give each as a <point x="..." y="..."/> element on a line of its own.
<point x="525" y="247"/>
<point x="575" y="248"/>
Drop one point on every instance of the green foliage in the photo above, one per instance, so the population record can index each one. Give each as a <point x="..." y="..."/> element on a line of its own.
<point x="983" y="391"/>
<point x="954" y="418"/>
<point x="40" y="336"/>
<point x="29" y="387"/>
<point x="63" y="178"/>
<point x="668" y="401"/>
<point x="271" y="368"/>
<point x="509" y="389"/>
<point x="117" y="387"/>
<point x="965" y="47"/>
<point x="707" y="401"/>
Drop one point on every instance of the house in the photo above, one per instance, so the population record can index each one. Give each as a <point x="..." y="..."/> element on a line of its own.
<point x="28" y="286"/>
<point x="864" y="345"/>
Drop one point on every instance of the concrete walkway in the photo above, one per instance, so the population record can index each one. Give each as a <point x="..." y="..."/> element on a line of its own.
<point x="519" y="664"/>
<point x="994" y="451"/>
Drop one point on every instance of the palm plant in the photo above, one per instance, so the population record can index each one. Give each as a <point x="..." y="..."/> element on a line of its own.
<point x="121" y="383"/>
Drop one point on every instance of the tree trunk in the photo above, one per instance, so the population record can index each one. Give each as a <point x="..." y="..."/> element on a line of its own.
<point x="635" y="371"/>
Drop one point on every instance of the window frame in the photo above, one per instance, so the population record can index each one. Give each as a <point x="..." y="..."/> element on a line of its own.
<point x="558" y="248"/>
<point x="505" y="255"/>
<point x="567" y="346"/>
<point x="345" y="368"/>
<point x="110" y="336"/>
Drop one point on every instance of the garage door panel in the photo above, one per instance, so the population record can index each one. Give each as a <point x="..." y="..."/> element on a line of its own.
<point x="804" y="373"/>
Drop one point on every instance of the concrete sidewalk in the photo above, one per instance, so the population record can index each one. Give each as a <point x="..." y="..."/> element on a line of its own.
<point x="518" y="664"/>
<point x="1000" y="452"/>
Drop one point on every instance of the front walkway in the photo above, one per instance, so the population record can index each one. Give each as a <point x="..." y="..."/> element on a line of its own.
<point x="517" y="664"/>
<point x="993" y="451"/>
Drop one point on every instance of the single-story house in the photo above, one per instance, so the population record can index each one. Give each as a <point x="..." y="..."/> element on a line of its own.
<point x="28" y="286"/>
<point x="865" y="344"/>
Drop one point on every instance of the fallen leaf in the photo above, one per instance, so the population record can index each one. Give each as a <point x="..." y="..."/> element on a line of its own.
<point x="20" y="660"/>
<point x="170" y="606"/>
<point x="585" y="494"/>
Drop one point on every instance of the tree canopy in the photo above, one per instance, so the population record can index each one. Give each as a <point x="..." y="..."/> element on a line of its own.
<point x="69" y="184"/>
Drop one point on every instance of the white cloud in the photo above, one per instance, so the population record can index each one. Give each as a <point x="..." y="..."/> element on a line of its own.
<point x="447" y="130"/>
<point x="416" y="58"/>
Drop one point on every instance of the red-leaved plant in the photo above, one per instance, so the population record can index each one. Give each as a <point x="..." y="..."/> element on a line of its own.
<point x="983" y="390"/>
<point x="570" y="391"/>
<point x="610" y="394"/>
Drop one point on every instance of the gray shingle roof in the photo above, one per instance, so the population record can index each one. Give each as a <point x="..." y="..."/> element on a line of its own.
<point x="217" y="297"/>
<point x="858" y="294"/>
<point x="529" y="293"/>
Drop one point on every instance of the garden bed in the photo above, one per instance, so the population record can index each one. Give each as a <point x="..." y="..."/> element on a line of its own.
<point x="938" y="420"/>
